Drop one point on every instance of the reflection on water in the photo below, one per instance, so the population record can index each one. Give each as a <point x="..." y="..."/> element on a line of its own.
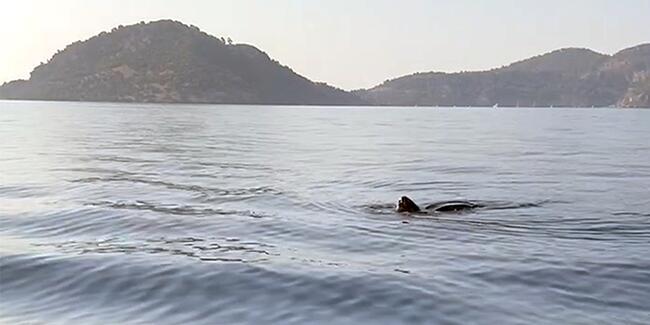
<point x="176" y="214"/>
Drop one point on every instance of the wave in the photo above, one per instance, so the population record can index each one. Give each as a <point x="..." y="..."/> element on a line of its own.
<point x="207" y="191"/>
<point x="146" y="290"/>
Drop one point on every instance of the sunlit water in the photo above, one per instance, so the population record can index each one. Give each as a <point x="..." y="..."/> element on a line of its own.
<point x="179" y="214"/>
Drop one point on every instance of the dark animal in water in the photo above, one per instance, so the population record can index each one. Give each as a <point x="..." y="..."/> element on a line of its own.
<point x="405" y="204"/>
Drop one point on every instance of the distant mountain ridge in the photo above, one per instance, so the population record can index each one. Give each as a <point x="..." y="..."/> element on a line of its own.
<point x="568" y="77"/>
<point x="169" y="62"/>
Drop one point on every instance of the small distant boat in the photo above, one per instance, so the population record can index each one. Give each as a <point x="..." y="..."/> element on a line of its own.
<point x="496" y="105"/>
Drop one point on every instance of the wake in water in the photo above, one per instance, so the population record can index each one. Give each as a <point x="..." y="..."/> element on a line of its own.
<point x="478" y="205"/>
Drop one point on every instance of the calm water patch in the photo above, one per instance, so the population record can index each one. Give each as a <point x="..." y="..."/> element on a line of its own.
<point x="176" y="214"/>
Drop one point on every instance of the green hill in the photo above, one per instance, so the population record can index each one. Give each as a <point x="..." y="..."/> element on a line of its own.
<point x="167" y="61"/>
<point x="568" y="77"/>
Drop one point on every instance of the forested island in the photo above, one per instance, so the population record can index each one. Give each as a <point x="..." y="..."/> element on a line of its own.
<point x="169" y="62"/>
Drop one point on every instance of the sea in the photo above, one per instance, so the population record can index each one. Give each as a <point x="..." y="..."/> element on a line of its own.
<point x="230" y="214"/>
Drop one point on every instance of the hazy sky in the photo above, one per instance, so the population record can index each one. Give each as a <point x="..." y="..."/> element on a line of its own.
<point x="346" y="43"/>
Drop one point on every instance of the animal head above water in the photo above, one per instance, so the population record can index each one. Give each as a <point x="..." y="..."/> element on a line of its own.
<point x="407" y="205"/>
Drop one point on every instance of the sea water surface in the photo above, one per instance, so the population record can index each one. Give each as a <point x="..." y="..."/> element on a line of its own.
<point x="191" y="214"/>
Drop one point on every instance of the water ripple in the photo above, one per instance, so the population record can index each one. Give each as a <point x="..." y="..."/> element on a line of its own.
<point x="203" y="214"/>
